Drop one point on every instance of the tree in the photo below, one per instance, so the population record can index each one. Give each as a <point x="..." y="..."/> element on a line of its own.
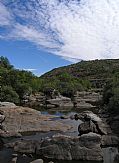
<point x="111" y="94"/>
<point x="8" y="94"/>
<point x="4" y="62"/>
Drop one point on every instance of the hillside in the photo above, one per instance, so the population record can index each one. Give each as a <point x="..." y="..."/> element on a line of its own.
<point x="16" y="84"/>
<point x="96" y="71"/>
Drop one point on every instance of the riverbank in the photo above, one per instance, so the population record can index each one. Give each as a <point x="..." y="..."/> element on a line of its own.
<point x="56" y="136"/>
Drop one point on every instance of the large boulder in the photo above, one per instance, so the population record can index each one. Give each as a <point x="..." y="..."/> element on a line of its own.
<point x="92" y="123"/>
<point x="90" y="140"/>
<point x="86" y="127"/>
<point x="86" y="147"/>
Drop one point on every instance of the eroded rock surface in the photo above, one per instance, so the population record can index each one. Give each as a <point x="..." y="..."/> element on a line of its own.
<point x="62" y="147"/>
<point x="86" y="99"/>
<point x="23" y="119"/>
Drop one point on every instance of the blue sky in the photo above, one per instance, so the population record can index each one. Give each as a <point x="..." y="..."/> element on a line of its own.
<point x="44" y="34"/>
<point x="25" y="55"/>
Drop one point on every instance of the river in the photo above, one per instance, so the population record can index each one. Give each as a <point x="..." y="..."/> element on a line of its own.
<point x="6" y="154"/>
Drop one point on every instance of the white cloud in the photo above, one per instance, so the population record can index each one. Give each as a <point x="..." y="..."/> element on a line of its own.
<point x="73" y="29"/>
<point x="28" y="69"/>
<point x="5" y="16"/>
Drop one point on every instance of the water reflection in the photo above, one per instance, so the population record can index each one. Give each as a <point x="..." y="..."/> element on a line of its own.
<point x="109" y="154"/>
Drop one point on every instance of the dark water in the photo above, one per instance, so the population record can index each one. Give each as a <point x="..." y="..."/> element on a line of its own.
<point x="6" y="154"/>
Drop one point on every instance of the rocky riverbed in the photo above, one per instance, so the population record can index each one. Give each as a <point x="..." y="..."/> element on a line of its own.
<point x="55" y="137"/>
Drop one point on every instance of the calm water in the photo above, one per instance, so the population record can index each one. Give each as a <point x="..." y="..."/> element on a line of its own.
<point x="6" y="154"/>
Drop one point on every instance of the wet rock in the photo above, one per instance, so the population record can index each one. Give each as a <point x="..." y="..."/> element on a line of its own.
<point x="109" y="140"/>
<point x="37" y="161"/>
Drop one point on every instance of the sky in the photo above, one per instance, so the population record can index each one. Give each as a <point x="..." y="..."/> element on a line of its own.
<point x="39" y="35"/>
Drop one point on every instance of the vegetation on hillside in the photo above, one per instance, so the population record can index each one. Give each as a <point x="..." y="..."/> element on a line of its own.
<point x="15" y="84"/>
<point x="96" y="71"/>
<point x="111" y="94"/>
<point x="102" y="74"/>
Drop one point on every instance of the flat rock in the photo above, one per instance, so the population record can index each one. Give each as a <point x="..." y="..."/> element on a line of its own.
<point x="24" y="119"/>
<point x="84" y="105"/>
<point x="60" y="102"/>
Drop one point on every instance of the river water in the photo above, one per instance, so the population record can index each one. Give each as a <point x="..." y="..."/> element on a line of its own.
<point x="6" y="154"/>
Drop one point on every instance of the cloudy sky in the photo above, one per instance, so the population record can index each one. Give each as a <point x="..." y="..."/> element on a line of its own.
<point x="42" y="34"/>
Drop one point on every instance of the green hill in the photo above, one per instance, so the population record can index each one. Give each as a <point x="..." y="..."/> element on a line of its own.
<point x="96" y="71"/>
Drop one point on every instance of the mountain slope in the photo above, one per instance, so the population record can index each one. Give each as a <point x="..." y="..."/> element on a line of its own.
<point x="96" y="71"/>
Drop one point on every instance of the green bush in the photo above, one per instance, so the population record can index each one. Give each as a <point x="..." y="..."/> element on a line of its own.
<point x="8" y="94"/>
